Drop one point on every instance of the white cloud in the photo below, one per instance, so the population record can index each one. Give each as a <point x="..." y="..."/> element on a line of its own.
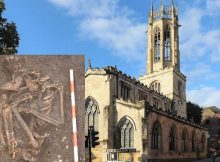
<point x="198" y="40"/>
<point x="205" y="96"/>
<point x="112" y="27"/>
<point x="200" y="47"/>
<point x="118" y="34"/>
<point x="201" y="71"/>
<point x="91" y="8"/>
<point x="213" y="7"/>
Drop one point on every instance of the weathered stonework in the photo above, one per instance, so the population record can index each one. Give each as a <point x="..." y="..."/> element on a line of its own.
<point x="169" y="79"/>
<point x="113" y="108"/>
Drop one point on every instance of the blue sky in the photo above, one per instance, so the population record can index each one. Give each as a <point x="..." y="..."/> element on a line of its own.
<point x="113" y="32"/>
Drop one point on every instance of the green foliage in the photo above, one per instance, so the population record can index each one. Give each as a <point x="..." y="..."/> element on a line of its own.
<point x="9" y="38"/>
<point x="194" y="112"/>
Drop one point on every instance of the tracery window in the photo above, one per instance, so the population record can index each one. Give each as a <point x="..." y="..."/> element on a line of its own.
<point x="155" y="85"/>
<point x="157" y="45"/>
<point x="125" y="131"/>
<point x="167" y="43"/>
<point x="156" y="136"/>
<point x="172" y="139"/>
<point x="184" y="140"/>
<point x="193" y="141"/>
<point x="92" y="114"/>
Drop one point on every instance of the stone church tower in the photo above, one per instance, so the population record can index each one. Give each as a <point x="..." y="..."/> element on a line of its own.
<point x="163" y="58"/>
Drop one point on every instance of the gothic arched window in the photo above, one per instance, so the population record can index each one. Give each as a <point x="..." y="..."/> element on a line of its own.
<point x="125" y="131"/>
<point x="157" y="45"/>
<point x="172" y="139"/>
<point x="156" y="136"/>
<point x="167" y="43"/>
<point x="184" y="140"/>
<point x="155" y="85"/>
<point x="92" y="114"/>
<point x="193" y="141"/>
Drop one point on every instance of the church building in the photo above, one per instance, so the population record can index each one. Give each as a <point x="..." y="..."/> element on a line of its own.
<point x="145" y="120"/>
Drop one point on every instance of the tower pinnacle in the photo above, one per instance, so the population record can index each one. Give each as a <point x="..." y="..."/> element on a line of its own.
<point x="89" y="64"/>
<point x="152" y="7"/>
<point x="161" y="2"/>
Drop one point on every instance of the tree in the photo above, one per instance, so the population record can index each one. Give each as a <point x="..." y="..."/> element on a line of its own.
<point x="194" y="112"/>
<point x="9" y="38"/>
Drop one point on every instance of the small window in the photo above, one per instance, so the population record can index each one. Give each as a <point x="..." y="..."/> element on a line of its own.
<point x="125" y="91"/>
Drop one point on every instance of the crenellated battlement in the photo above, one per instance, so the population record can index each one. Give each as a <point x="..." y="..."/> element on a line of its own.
<point x="166" y="12"/>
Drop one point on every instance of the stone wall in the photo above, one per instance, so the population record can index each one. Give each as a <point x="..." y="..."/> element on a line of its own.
<point x="166" y="123"/>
